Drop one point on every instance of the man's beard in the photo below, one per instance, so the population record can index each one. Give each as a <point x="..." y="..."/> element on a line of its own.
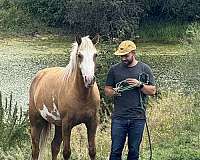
<point x="127" y="62"/>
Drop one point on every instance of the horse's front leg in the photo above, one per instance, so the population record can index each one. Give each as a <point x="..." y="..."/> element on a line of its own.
<point x="66" y="134"/>
<point x="55" y="145"/>
<point x="91" y="132"/>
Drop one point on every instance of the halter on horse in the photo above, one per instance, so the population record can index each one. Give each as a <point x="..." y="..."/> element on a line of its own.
<point x="65" y="97"/>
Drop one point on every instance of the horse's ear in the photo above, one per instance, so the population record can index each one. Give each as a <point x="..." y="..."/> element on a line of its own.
<point x="95" y="40"/>
<point x="78" y="39"/>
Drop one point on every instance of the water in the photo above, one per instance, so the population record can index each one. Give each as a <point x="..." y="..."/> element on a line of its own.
<point x="21" y="58"/>
<point x="176" y="72"/>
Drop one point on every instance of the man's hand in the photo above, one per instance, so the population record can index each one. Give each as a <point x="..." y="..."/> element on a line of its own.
<point x="146" y="89"/>
<point x="116" y="92"/>
<point x="110" y="91"/>
<point x="133" y="82"/>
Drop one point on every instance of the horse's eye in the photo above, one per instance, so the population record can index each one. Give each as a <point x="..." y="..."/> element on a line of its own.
<point x="95" y="55"/>
<point x="80" y="56"/>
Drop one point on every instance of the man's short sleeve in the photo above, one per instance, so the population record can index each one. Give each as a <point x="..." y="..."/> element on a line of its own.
<point x="110" y="81"/>
<point x="151" y="76"/>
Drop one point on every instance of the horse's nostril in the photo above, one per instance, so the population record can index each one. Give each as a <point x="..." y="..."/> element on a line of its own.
<point x="85" y="79"/>
<point x="89" y="80"/>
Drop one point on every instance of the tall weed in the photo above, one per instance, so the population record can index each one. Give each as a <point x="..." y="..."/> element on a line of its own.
<point x="174" y="123"/>
<point x="164" y="32"/>
<point x="191" y="40"/>
<point x="13" y="125"/>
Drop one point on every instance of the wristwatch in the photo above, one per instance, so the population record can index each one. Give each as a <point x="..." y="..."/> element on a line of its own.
<point x="141" y="85"/>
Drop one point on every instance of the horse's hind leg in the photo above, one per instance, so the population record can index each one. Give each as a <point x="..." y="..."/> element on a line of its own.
<point x="91" y="132"/>
<point x="35" y="136"/>
<point x="55" y="145"/>
<point x="37" y="125"/>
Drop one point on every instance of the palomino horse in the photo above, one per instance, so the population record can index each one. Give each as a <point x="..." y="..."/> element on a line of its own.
<point x="65" y="97"/>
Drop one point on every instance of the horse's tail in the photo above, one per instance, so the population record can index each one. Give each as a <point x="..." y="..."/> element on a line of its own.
<point x="43" y="140"/>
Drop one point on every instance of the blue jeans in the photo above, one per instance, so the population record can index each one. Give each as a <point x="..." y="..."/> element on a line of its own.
<point x="120" y="129"/>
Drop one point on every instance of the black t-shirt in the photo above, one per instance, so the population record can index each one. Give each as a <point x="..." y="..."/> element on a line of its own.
<point x="128" y="105"/>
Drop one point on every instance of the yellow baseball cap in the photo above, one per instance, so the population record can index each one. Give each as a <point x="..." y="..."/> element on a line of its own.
<point x="125" y="47"/>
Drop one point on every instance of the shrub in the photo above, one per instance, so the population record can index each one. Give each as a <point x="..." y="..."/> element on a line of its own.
<point x="182" y="10"/>
<point x="13" y="125"/>
<point x="110" y="18"/>
<point x="12" y="17"/>
<point x="165" y="32"/>
<point x="191" y="41"/>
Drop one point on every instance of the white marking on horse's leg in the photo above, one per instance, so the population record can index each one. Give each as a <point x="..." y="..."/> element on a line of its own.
<point x="55" y="111"/>
<point x="44" y="112"/>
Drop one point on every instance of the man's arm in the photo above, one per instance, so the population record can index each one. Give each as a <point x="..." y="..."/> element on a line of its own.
<point x="149" y="89"/>
<point x="146" y="89"/>
<point x="109" y="91"/>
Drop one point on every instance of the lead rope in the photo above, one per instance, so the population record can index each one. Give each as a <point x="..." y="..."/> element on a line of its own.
<point x="124" y="86"/>
<point x="147" y="127"/>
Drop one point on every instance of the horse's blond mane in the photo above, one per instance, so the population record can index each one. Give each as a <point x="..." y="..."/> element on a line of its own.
<point x="72" y="63"/>
<point x="72" y="66"/>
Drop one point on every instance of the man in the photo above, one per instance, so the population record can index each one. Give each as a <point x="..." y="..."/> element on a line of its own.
<point x="128" y="117"/>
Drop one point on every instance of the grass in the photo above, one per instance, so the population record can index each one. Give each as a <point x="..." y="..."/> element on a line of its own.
<point x="174" y="124"/>
<point x="173" y="121"/>
<point x="191" y="40"/>
<point x="162" y="32"/>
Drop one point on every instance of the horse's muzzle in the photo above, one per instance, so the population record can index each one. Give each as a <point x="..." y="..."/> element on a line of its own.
<point x="89" y="82"/>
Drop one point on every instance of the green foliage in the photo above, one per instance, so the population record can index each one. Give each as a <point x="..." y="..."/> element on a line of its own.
<point x="176" y="153"/>
<point x="191" y="41"/>
<point x="16" y="152"/>
<point x="183" y="10"/>
<point x="110" y="18"/>
<point x="105" y="59"/>
<point x="12" y="17"/>
<point x="13" y="125"/>
<point x="162" y="31"/>
<point x="50" y="12"/>
<point x="117" y="18"/>
<point x="174" y="123"/>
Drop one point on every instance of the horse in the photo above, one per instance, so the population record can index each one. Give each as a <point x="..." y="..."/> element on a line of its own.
<point x="65" y="97"/>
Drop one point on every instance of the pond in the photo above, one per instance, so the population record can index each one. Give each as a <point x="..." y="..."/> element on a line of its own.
<point x="21" y="58"/>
